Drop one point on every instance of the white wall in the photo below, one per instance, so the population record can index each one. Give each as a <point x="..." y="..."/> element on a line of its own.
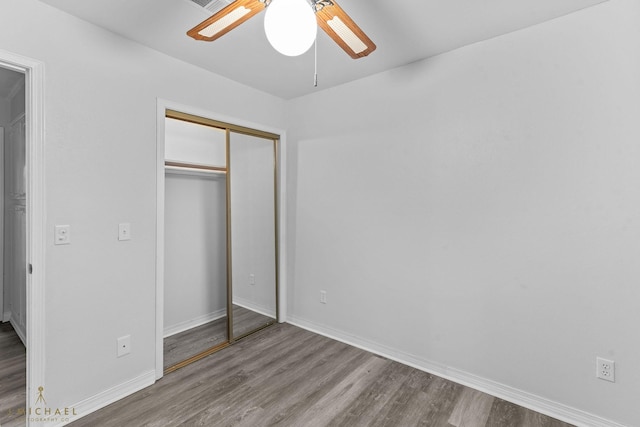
<point x="195" y="281"/>
<point x="187" y="142"/>
<point x="14" y="225"/>
<point x="479" y="213"/>
<point x="251" y="177"/>
<point x="17" y="102"/>
<point x="14" y="212"/>
<point x="101" y="94"/>
<point x="11" y="107"/>
<point x="5" y="112"/>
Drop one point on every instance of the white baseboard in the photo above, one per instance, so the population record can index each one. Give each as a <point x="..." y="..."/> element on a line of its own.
<point x="192" y="323"/>
<point x="22" y="334"/>
<point x="249" y="305"/>
<point x="111" y="395"/>
<point x="16" y="327"/>
<point x="528" y="400"/>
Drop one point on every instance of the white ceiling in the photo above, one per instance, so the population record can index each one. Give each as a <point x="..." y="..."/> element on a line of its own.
<point x="404" y="31"/>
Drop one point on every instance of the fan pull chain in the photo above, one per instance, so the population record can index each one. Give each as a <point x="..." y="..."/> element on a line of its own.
<point x="315" y="75"/>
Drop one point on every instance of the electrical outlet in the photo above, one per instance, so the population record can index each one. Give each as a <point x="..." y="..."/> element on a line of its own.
<point x="124" y="345"/>
<point x="252" y="279"/>
<point x="124" y="231"/>
<point x="323" y="297"/>
<point x="606" y="369"/>
<point x="63" y="235"/>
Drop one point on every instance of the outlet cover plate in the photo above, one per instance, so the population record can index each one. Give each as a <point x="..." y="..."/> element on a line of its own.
<point x="606" y="369"/>
<point x="124" y="231"/>
<point x="62" y="235"/>
<point x="124" y="345"/>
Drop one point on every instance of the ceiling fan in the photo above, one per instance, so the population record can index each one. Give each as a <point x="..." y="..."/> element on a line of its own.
<point x="328" y="15"/>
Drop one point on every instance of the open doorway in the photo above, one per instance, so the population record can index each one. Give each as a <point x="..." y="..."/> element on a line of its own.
<point x="13" y="250"/>
<point x="24" y="186"/>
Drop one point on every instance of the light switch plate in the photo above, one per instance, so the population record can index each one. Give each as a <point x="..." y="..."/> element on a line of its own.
<point x="62" y="235"/>
<point x="323" y="297"/>
<point x="124" y="231"/>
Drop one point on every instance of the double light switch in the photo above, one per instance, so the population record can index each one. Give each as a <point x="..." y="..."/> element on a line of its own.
<point x="63" y="233"/>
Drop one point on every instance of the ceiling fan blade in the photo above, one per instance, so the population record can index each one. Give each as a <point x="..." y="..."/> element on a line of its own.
<point x="341" y="28"/>
<point x="226" y="20"/>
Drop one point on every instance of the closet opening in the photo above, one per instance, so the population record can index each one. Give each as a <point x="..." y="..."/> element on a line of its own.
<point x="219" y="236"/>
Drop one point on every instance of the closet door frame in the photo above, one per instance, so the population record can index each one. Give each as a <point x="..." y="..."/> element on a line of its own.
<point x="168" y="108"/>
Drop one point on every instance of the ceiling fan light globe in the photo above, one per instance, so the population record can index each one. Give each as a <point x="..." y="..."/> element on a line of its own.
<point x="290" y="26"/>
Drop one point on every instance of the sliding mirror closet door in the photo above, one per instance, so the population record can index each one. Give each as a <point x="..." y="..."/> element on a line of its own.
<point x="195" y="283"/>
<point x="252" y="196"/>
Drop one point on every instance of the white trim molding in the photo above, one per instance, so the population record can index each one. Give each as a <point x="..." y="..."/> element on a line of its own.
<point x="531" y="401"/>
<point x="36" y="217"/>
<point x="19" y="331"/>
<point x="109" y="396"/>
<point x="252" y="306"/>
<point x="160" y="189"/>
<point x="193" y="323"/>
<point x="282" y="228"/>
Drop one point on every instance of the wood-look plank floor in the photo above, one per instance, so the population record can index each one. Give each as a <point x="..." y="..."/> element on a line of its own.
<point x="186" y="344"/>
<point x="13" y="374"/>
<point x="245" y="320"/>
<point x="182" y="346"/>
<point x="286" y="376"/>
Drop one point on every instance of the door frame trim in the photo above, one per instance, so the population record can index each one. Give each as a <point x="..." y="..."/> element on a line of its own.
<point x="162" y="106"/>
<point x="36" y="217"/>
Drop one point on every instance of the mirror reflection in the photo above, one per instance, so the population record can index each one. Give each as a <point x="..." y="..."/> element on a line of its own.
<point x="253" y="232"/>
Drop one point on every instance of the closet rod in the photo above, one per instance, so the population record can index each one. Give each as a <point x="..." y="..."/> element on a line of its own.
<point x="195" y="166"/>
